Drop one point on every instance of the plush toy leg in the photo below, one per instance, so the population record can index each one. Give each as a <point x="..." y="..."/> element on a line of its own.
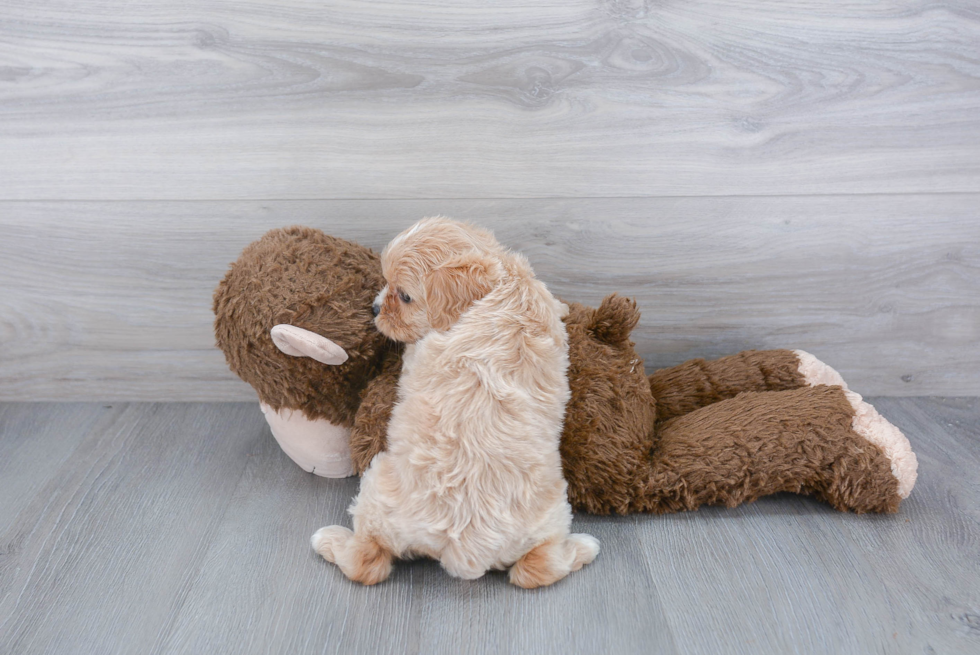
<point x="551" y="561"/>
<point x="698" y="383"/>
<point x="809" y="440"/>
<point x="361" y="558"/>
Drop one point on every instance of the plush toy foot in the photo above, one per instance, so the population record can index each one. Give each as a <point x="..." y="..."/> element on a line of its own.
<point x="867" y="423"/>
<point x="551" y="561"/>
<point x="875" y="428"/>
<point x="362" y="559"/>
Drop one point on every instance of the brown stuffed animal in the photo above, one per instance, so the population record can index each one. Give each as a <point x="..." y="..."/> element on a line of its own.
<point x="720" y="433"/>
<point x="293" y="279"/>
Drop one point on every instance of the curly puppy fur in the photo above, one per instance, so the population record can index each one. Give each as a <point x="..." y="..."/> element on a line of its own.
<point x="472" y="474"/>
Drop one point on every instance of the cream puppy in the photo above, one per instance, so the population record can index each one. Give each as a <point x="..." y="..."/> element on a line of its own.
<point x="472" y="476"/>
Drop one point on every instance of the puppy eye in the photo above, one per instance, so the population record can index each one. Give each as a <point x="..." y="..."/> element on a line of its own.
<point x="404" y="296"/>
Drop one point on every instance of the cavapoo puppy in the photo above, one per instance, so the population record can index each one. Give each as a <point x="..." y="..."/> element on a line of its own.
<point x="472" y="476"/>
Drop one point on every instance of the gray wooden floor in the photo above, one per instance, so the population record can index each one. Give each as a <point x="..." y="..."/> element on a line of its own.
<point x="174" y="527"/>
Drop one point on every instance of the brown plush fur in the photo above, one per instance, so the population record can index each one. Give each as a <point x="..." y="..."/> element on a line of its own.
<point x="717" y="432"/>
<point x="369" y="435"/>
<point x="609" y="420"/>
<point x="756" y="444"/>
<point x="697" y="383"/>
<point x="305" y="278"/>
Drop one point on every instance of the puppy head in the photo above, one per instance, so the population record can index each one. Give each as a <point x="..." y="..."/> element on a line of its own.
<point x="434" y="271"/>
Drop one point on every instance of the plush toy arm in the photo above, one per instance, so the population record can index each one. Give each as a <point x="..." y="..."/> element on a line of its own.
<point x="815" y="440"/>
<point x="698" y="383"/>
<point x="369" y="436"/>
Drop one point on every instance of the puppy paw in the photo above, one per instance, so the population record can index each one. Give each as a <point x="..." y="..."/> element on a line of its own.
<point x="585" y="546"/>
<point x="327" y="541"/>
<point x="552" y="560"/>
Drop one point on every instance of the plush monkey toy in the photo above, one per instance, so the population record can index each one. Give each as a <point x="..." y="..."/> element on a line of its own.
<point x="293" y="317"/>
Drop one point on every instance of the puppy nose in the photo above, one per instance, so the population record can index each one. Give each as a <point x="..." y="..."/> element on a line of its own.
<point x="375" y="309"/>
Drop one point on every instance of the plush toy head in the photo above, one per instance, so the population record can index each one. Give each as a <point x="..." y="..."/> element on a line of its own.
<point x="316" y="291"/>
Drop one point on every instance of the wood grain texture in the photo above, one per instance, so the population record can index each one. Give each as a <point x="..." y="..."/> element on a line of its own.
<point x="182" y="528"/>
<point x="468" y="99"/>
<point x="27" y="460"/>
<point x="111" y="300"/>
<point x="102" y="557"/>
<point x="929" y="599"/>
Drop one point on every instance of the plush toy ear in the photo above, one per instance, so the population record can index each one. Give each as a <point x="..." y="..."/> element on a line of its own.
<point x="453" y="287"/>
<point x="614" y="320"/>
<point x="297" y="342"/>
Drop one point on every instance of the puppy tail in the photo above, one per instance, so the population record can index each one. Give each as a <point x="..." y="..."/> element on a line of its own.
<point x="615" y="319"/>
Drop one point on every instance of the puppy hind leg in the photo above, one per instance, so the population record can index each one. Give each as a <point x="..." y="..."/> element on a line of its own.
<point x="552" y="560"/>
<point x="360" y="557"/>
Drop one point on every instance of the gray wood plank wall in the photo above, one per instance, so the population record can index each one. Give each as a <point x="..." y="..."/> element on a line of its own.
<point x="465" y="98"/>
<point x="758" y="174"/>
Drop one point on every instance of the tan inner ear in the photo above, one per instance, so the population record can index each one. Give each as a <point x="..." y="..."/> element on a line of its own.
<point x="297" y="342"/>
<point x="452" y="288"/>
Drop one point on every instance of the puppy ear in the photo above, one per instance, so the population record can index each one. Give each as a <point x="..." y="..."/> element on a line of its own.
<point x="452" y="287"/>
